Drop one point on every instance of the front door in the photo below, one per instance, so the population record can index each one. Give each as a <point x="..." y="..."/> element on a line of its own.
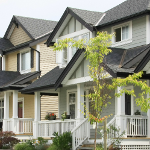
<point x="127" y="104"/>
<point x="20" y="115"/>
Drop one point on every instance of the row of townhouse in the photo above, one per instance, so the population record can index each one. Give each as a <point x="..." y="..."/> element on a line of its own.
<point x="68" y="77"/>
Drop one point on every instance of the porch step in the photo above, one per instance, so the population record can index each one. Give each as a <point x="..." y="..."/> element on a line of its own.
<point x="86" y="146"/>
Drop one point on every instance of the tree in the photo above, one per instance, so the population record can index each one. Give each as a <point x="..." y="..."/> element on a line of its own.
<point x="96" y="49"/>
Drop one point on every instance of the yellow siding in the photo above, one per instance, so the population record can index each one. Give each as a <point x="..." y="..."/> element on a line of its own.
<point x="34" y="67"/>
<point x="48" y="58"/>
<point x="28" y="105"/>
<point x="47" y="63"/>
<point x="19" y="36"/>
<point x="11" y="61"/>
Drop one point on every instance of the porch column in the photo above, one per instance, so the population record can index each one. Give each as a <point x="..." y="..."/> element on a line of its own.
<point x="120" y="111"/>
<point x="120" y="103"/>
<point x="148" y="114"/>
<point x="6" y="111"/>
<point x="80" y="102"/>
<point x="37" y="110"/>
<point x="15" y="112"/>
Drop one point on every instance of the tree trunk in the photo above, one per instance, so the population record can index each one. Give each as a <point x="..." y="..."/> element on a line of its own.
<point x="95" y="137"/>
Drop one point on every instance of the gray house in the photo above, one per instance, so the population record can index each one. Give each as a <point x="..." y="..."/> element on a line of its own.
<point x="130" y="21"/>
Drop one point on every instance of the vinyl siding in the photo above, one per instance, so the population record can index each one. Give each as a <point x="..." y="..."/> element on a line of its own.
<point x="47" y="63"/>
<point x="72" y="26"/>
<point x="11" y="61"/>
<point x="138" y="33"/>
<point x="19" y="36"/>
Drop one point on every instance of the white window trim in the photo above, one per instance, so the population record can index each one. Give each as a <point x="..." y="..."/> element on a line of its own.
<point x="73" y="91"/>
<point x="22" y="100"/>
<point x="72" y="35"/>
<point x="1" y="98"/>
<point x="129" y="40"/>
<point x="28" y="70"/>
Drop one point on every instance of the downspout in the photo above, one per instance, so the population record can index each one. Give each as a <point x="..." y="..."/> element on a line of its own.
<point x="39" y="56"/>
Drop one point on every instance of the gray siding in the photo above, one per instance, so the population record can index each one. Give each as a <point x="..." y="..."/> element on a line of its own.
<point x="82" y="70"/>
<point x="72" y="26"/>
<point x="63" y="98"/>
<point x="138" y="33"/>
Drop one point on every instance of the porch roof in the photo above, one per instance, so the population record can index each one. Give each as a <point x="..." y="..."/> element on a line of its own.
<point x="10" y="80"/>
<point x="47" y="81"/>
<point x="5" y="44"/>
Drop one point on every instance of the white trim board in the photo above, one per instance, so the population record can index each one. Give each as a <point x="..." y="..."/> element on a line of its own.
<point x="78" y="80"/>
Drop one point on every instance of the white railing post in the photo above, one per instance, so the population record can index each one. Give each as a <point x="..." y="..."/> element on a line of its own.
<point x="73" y="141"/>
<point x="6" y="112"/>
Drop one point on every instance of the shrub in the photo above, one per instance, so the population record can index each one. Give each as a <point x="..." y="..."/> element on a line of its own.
<point x="7" y="139"/>
<point x="63" y="141"/>
<point x="24" y="146"/>
<point x="52" y="147"/>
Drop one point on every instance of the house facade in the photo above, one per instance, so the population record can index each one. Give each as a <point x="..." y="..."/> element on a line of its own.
<point x="70" y="79"/>
<point x="24" y="59"/>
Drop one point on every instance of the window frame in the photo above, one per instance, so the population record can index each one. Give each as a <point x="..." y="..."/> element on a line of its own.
<point x="126" y="41"/>
<point x="69" y="50"/>
<point x="27" y="70"/>
<point x="1" y="98"/>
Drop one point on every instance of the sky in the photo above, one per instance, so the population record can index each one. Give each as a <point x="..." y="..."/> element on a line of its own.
<point x="47" y="9"/>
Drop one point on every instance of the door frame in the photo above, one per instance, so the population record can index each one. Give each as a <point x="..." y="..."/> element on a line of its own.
<point x="132" y="99"/>
<point x="73" y="91"/>
<point x="22" y="100"/>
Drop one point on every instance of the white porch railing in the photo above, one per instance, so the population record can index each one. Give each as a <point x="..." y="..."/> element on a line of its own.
<point x="20" y="125"/>
<point x="80" y="134"/>
<point x="47" y="128"/>
<point x="137" y="126"/>
<point x="25" y="125"/>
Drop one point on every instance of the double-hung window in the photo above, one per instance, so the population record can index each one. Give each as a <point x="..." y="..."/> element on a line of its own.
<point x="25" y="61"/>
<point x="1" y="109"/>
<point x="123" y="34"/>
<point x="64" y="56"/>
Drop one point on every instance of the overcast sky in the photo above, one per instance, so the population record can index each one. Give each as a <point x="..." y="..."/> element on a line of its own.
<point x="47" y="9"/>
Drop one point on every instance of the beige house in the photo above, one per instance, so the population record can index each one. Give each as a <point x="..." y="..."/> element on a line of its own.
<point x="24" y="59"/>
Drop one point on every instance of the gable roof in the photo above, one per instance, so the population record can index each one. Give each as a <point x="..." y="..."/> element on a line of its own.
<point x="85" y="17"/>
<point x="125" y="10"/>
<point x="90" y="17"/>
<point x="35" y="28"/>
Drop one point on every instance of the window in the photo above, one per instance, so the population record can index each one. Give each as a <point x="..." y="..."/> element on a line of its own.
<point x="63" y="57"/>
<point x="1" y="109"/>
<point x="25" y="61"/>
<point x="72" y="101"/>
<point x="123" y="34"/>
